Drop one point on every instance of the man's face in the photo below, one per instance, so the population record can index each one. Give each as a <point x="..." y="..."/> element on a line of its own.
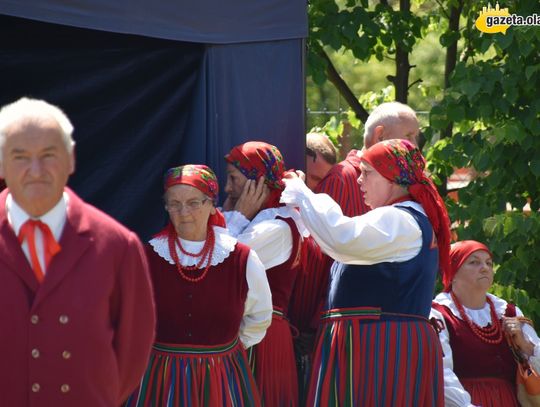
<point x="36" y="164"/>
<point x="235" y="183"/>
<point x="316" y="170"/>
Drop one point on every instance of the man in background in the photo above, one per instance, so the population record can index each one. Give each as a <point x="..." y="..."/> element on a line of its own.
<point x="320" y="158"/>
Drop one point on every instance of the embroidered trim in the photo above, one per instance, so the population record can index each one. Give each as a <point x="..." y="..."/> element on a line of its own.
<point x="225" y="244"/>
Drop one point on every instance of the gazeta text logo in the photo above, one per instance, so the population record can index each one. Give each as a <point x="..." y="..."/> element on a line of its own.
<point x="498" y="20"/>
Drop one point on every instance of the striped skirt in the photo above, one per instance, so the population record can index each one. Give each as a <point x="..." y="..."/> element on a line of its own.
<point x="273" y="364"/>
<point x="196" y="376"/>
<point x="367" y="358"/>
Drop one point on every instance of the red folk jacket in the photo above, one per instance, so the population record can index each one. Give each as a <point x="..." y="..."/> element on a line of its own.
<point x="81" y="338"/>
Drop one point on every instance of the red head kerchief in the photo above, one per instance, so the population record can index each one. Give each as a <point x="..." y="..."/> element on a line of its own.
<point x="257" y="159"/>
<point x="402" y="163"/>
<point x="459" y="252"/>
<point x="200" y="177"/>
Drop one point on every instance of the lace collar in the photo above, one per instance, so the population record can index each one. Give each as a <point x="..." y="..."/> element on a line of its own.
<point x="481" y="317"/>
<point x="225" y="244"/>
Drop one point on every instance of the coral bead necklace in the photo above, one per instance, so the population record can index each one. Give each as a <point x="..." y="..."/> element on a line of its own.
<point x="491" y="334"/>
<point x="205" y="254"/>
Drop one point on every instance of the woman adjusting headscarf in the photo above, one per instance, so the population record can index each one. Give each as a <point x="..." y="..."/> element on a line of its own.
<point x="376" y="342"/>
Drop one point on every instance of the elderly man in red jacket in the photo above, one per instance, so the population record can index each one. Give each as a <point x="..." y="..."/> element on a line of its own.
<point x="76" y="308"/>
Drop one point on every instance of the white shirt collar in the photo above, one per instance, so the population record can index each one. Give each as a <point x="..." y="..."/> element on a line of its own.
<point x="55" y="218"/>
<point x="411" y="204"/>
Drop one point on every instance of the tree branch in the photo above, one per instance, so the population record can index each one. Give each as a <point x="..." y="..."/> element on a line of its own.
<point x="401" y="80"/>
<point x="342" y="87"/>
<point x="415" y="82"/>
<point x="451" y="53"/>
<point x="442" y="8"/>
<point x="449" y="66"/>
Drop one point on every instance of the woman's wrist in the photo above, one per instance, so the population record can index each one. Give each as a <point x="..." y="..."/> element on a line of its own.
<point x="526" y="349"/>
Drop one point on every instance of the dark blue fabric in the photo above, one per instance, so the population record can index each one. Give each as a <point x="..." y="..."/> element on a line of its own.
<point x="142" y="105"/>
<point x="405" y="287"/>
<point x="128" y="97"/>
<point x="204" y="21"/>
<point x="249" y="92"/>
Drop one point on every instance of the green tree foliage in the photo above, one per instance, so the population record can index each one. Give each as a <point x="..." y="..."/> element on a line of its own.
<point x="484" y="113"/>
<point x="493" y="104"/>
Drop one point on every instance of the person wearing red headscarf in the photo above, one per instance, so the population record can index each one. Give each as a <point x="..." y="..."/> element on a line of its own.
<point x="479" y="368"/>
<point x="376" y="345"/>
<point x="270" y="230"/>
<point x="212" y="299"/>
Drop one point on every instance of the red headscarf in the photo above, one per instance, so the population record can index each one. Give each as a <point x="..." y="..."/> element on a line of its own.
<point x="402" y="163"/>
<point x="257" y="159"/>
<point x="459" y="252"/>
<point x="200" y="177"/>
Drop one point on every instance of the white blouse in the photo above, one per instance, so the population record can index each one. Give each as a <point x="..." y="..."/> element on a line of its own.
<point x="385" y="234"/>
<point x="454" y="393"/>
<point x="271" y="238"/>
<point x="258" y="307"/>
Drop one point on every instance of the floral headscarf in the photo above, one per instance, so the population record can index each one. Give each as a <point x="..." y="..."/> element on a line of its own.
<point x="402" y="163"/>
<point x="459" y="252"/>
<point x="200" y="177"/>
<point x="256" y="159"/>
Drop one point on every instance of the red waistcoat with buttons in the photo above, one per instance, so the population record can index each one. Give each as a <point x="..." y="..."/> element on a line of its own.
<point x="474" y="358"/>
<point x="83" y="336"/>
<point x="281" y="278"/>
<point x="207" y="312"/>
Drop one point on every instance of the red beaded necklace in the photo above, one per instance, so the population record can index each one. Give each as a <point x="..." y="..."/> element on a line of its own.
<point x="491" y="334"/>
<point x="205" y="254"/>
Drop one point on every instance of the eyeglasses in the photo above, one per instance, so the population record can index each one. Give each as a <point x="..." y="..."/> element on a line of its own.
<point x="189" y="206"/>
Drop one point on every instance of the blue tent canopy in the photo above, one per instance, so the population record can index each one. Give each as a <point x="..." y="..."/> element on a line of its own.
<point x="150" y="85"/>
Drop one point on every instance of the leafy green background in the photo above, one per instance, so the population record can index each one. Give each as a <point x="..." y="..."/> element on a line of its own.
<point x="482" y="111"/>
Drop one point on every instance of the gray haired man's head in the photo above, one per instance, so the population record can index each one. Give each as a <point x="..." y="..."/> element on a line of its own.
<point x="391" y="120"/>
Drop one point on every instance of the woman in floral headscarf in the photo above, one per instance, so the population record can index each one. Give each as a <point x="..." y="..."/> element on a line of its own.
<point x="212" y="301"/>
<point x="376" y="346"/>
<point x="269" y="229"/>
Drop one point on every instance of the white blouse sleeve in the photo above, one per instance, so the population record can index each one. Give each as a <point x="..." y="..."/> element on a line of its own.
<point x="236" y="222"/>
<point x="383" y="234"/>
<point x="454" y="393"/>
<point x="531" y="336"/>
<point x="258" y="308"/>
<point x="271" y="240"/>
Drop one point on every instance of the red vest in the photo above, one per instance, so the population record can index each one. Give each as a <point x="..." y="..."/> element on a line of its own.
<point x="341" y="183"/>
<point x="474" y="358"/>
<point x="208" y="312"/>
<point x="281" y="278"/>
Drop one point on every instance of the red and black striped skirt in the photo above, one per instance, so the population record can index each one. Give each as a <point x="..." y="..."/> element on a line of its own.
<point x="197" y="376"/>
<point x="365" y="357"/>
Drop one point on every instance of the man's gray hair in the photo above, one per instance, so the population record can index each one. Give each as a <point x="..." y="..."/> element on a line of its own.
<point x="34" y="109"/>
<point x="386" y="114"/>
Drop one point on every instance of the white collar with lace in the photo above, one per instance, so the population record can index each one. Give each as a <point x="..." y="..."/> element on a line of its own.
<point x="481" y="317"/>
<point x="224" y="246"/>
<point x="282" y="212"/>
